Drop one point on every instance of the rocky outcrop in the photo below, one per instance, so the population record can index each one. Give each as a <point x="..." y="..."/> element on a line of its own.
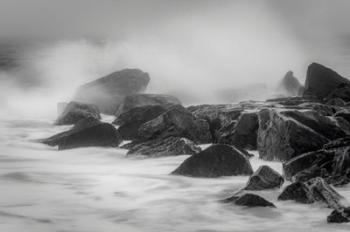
<point x="339" y="216"/>
<point x="215" y="161"/>
<point x="86" y="133"/>
<point x="314" y="190"/>
<point x="249" y="200"/>
<point x="281" y="137"/>
<point x="323" y="82"/>
<point x="264" y="178"/>
<point x="108" y="92"/>
<point x="75" y="111"/>
<point x="171" y="146"/>
<point x="243" y="134"/>
<point x="176" y="122"/>
<point x="289" y="86"/>
<point x="130" y="121"/>
<point x="138" y="100"/>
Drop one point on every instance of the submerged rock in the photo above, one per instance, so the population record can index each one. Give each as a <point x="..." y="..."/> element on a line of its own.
<point x="264" y="178"/>
<point x="253" y="200"/>
<point x="176" y="122"/>
<point x="75" y="111"/>
<point x="171" y="146"/>
<point x="86" y="133"/>
<point x="108" y="92"/>
<point x="215" y="161"/>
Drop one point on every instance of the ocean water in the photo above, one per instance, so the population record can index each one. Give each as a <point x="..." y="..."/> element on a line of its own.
<point x="100" y="189"/>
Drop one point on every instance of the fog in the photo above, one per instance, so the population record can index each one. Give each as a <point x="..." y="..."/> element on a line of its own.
<point x="192" y="49"/>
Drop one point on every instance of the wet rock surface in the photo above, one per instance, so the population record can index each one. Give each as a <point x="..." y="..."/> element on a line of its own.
<point x="264" y="178"/>
<point x="75" y="111"/>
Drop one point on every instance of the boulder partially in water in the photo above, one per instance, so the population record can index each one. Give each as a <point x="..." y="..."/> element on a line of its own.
<point x="253" y="200"/>
<point x="339" y="216"/>
<point x="171" y="146"/>
<point x="215" y="161"/>
<point x="75" y="111"/>
<point x="108" y="92"/>
<point x="176" y="122"/>
<point x="86" y="133"/>
<point x="264" y="178"/>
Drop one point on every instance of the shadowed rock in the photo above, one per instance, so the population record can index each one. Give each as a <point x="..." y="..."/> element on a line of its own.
<point x="339" y="216"/>
<point x="298" y="192"/>
<point x="215" y="161"/>
<point x="75" y="111"/>
<point x="176" y="122"/>
<point x="108" y="92"/>
<point x="264" y="178"/>
<point x="171" y="146"/>
<point x="86" y="133"/>
<point x="252" y="200"/>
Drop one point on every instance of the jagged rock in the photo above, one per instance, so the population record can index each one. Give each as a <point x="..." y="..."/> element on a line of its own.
<point x="215" y="161"/>
<point x="244" y="132"/>
<point x="341" y="92"/>
<point x="108" y="92"/>
<point x="281" y="137"/>
<point x="171" y="146"/>
<point x="339" y="216"/>
<point x="322" y="81"/>
<point x="336" y="102"/>
<point x="264" y="178"/>
<point x="344" y="113"/>
<point x="137" y="100"/>
<point x="321" y="109"/>
<point x="87" y="132"/>
<point x="252" y="200"/>
<point x="290" y="86"/>
<point x="130" y="121"/>
<point x="75" y="111"/>
<point x="314" y="190"/>
<point x="177" y="122"/>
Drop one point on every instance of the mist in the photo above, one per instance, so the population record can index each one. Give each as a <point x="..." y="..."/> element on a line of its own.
<point x="192" y="50"/>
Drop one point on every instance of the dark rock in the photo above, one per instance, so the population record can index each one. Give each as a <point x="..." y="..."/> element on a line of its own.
<point x="86" y="133"/>
<point x="298" y="192"/>
<point x="176" y="122"/>
<point x="321" y="109"/>
<point x="342" y="92"/>
<point x="344" y="113"/>
<point x="215" y="161"/>
<point x="108" y="92"/>
<point x="137" y="100"/>
<point x="243" y="134"/>
<point x="264" y="178"/>
<point x="282" y="138"/>
<point x="339" y="216"/>
<point x="322" y="81"/>
<point x="171" y="146"/>
<point x="290" y="86"/>
<point x="130" y="121"/>
<point x="252" y="200"/>
<point x="336" y="102"/>
<point x="76" y="111"/>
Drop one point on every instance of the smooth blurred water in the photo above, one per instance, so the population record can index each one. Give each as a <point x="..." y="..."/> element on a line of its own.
<point x="99" y="189"/>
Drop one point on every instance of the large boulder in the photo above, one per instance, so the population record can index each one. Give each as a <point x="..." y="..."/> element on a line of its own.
<point x="322" y="81"/>
<point x="244" y="132"/>
<point x="264" y="178"/>
<point x="130" y="121"/>
<point x="178" y="122"/>
<point x="215" y="161"/>
<point x="290" y="86"/>
<point x="171" y="146"/>
<point x="281" y="137"/>
<point x="75" y="111"/>
<point x="86" y="133"/>
<point x="137" y="100"/>
<point x="108" y="92"/>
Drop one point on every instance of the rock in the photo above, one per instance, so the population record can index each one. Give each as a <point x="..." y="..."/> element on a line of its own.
<point x="252" y="200"/>
<point x="281" y="137"/>
<point x="171" y="146"/>
<point x="177" y="122"/>
<point x="75" y="111"/>
<point x="86" y="133"/>
<point x="130" y="121"/>
<point x="344" y="113"/>
<point x="290" y="86"/>
<point x="321" y="109"/>
<point x="215" y="161"/>
<point x="137" y="100"/>
<point x="314" y="190"/>
<point x="339" y="216"/>
<point x="244" y="133"/>
<point x="108" y="92"/>
<point x="322" y="81"/>
<point x="342" y="92"/>
<point x="336" y="102"/>
<point x="264" y="178"/>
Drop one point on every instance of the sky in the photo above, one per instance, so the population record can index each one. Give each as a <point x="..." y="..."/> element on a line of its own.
<point x="193" y="48"/>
